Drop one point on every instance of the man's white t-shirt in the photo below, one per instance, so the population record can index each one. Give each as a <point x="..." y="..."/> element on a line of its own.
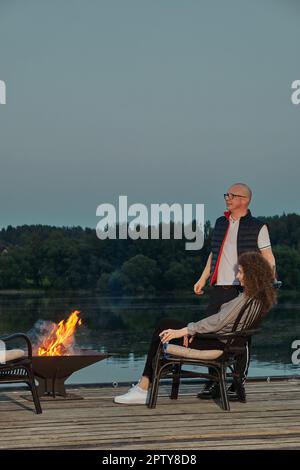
<point x="228" y="265"/>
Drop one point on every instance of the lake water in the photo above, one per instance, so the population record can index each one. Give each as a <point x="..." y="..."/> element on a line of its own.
<point x="123" y="327"/>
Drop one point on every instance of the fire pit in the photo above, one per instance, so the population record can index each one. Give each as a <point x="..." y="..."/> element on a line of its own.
<point x="56" y="358"/>
<point x="51" y="372"/>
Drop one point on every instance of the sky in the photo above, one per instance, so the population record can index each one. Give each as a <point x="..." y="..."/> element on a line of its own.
<point x="165" y="101"/>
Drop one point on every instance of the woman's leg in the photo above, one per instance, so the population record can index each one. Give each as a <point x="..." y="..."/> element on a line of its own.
<point x="155" y="341"/>
<point x="197" y="343"/>
<point x="139" y="393"/>
<point x="206" y="344"/>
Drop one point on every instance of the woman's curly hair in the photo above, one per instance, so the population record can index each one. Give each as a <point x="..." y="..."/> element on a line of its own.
<point x="258" y="279"/>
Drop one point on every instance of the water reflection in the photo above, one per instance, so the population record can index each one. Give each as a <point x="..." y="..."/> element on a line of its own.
<point x="123" y="327"/>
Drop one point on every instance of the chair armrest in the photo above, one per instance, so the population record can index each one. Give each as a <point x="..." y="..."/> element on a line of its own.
<point x="23" y="336"/>
<point x="234" y="334"/>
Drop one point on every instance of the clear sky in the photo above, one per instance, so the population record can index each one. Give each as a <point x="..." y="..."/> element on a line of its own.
<point x="159" y="100"/>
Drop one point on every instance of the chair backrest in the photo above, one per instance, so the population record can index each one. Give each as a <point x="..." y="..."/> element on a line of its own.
<point x="249" y="316"/>
<point x="248" y="319"/>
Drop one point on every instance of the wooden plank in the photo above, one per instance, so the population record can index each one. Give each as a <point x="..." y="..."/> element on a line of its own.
<point x="261" y="440"/>
<point x="270" y="419"/>
<point x="236" y="430"/>
<point x="287" y="443"/>
<point x="270" y="429"/>
<point x="140" y="424"/>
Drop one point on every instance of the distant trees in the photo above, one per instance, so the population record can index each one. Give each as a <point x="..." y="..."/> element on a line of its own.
<point x="46" y="257"/>
<point x="288" y="262"/>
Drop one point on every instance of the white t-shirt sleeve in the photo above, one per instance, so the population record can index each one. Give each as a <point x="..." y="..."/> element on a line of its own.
<point x="263" y="240"/>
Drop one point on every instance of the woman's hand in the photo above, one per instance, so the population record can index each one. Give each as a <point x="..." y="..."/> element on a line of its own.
<point x="167" y="335"/>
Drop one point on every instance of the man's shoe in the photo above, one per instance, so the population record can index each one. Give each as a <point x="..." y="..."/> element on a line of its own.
<point x="134" y="396"/>
<point x="237" y="392"/>
<point x="210" y="390"/>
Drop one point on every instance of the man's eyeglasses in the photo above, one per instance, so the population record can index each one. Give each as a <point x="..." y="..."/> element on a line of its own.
<point x="232" y="196"/>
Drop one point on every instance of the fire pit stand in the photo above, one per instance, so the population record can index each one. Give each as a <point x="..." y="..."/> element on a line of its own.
<point x="51" y="372"/>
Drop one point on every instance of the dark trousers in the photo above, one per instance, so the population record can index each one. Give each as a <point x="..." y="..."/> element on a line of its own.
<point x="218" y="296"/>
<point x="197" y="343"/>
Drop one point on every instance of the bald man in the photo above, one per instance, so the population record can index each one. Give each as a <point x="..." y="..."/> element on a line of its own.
<point x="235" y="233"/>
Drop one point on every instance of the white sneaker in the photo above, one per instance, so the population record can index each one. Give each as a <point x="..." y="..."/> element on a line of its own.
<point x="135" y="396"/>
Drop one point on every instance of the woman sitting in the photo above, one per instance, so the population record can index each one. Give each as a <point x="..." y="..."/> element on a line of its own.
<point x="255" y="276"/>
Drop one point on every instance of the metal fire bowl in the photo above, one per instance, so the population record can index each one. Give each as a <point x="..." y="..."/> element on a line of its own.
<point x="51" y="372"/>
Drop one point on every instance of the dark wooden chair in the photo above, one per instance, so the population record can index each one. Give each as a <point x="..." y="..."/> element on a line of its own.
<point x="170" y="358"/>
<point x="19" y="369"/>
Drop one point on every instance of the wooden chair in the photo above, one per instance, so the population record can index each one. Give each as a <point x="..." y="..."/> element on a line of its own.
<point x="18" y="367"/>
<point x="170" y="358"/>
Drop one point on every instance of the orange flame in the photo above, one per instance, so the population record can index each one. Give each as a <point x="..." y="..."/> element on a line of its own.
<point x="61" y="337"/>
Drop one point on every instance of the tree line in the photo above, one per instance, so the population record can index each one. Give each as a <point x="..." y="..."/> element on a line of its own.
<point x="47" y="257"/>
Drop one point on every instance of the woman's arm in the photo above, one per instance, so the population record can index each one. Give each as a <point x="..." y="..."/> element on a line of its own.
<point x="216" y="323"/>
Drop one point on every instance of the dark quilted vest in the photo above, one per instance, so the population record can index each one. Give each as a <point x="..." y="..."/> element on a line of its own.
<point x="249" y="228"/>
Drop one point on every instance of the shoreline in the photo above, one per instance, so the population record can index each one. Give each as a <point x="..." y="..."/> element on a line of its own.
<point x="283" y="294"/>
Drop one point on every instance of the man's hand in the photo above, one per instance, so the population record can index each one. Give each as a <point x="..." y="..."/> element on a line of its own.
<point x="198" y="287"/>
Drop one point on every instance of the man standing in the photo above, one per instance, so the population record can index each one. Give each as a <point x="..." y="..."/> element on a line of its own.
<point x="235" y="233"/>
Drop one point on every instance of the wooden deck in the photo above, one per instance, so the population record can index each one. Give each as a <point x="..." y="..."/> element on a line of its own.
<point x="269" y="420"/>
